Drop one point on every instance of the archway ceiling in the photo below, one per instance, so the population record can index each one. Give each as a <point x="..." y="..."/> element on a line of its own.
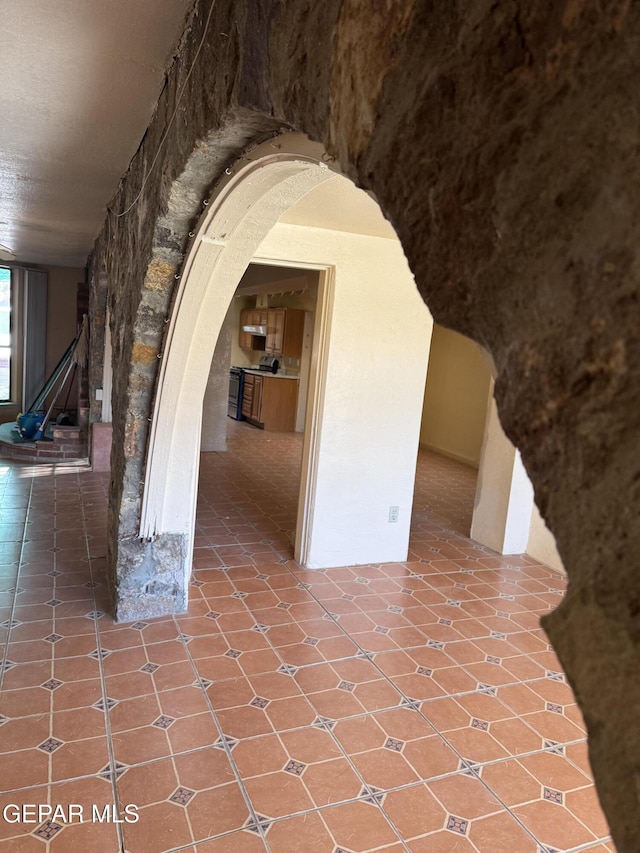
<point x="339" y="205"/>
<point x="336" y="205"/>
<point x="79" y="81"/>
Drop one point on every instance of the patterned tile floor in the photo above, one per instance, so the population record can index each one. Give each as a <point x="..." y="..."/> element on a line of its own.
<point x="402" y="707"/>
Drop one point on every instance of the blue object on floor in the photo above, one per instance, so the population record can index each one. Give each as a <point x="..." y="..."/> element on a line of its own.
<point x="29" y="424"/>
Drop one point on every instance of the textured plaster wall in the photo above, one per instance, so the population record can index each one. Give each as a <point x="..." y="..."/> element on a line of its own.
<point x="61" y="313"/>
<point x="542" y="544"/>
<point x="501" y="141"/>
<point x="455" y="397"/>
<point x="367" y="412"/>
<point x="215" y="405"/>
<point x="504" y="496"/>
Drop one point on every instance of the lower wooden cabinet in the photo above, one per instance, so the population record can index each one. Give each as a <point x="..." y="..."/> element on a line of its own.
<point x="269" y="402"/>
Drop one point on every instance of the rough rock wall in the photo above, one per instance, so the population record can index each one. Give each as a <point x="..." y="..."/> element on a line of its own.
<point x="500" y="139"/>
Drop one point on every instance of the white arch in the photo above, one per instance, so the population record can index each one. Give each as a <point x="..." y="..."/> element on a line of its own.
<point x="241" y="225"/>
<point x="345" y="500"/>
<point x="242" y="212"/>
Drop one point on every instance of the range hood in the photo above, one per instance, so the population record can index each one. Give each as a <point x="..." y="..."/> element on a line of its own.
<point x="255" y="330"/>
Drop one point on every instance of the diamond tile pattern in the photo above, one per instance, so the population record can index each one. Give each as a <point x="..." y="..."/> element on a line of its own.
<point x="163" y="722"/>
<point x="181" y="796"/>
<point x="553" y="796"/>
<point x="53" y="638"/>
<point x="50" y="745"/>
<point x="233" y="653"/>
<point x="47" y="830"/>
<point x="457" y="824"/>
<point x="403" y="706"/>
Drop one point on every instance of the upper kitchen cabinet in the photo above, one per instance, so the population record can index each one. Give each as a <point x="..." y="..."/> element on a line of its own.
<point x="275" y="331"/>
<point x="251" y="320"/>
<point x="244" y="339"/>
<point x="285" y="330"/>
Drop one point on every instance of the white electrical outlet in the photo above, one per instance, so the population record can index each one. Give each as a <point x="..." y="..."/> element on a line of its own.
<point x="394" y="512"/>
<point x="98" y="393"/>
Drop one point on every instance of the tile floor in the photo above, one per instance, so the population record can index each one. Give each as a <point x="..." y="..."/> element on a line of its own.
<point x="402" y="707"/>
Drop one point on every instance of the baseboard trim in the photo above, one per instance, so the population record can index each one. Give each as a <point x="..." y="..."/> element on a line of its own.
<point x="458" y="458"/>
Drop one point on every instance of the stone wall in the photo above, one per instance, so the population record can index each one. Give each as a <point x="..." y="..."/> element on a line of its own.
<point x="500" y="140"/>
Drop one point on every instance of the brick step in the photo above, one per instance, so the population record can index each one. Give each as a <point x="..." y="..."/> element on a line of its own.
<point x="66" y="434"/>
<point x="69" y="445"/>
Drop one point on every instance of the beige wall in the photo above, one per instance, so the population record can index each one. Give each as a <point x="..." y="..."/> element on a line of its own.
<point x="456" y="395"/>
<point x="362" y="414"/>
<point x="505" y="516"/>
<point x="542" y="543"/>
<point x="61" y="311"/>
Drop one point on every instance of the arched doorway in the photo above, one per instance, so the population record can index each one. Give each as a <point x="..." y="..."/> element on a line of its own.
<point x="367" y="518"/>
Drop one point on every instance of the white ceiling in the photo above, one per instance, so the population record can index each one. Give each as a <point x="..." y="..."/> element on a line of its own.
<point x="79" y="80"/>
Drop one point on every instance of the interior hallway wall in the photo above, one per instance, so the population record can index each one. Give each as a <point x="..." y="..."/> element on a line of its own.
<point x="455" y="398"/>
<point x="215" y="406"/>
<point x="542" y="544"/>
<point x="61" y="311"/>
<point x="365" y="454"/>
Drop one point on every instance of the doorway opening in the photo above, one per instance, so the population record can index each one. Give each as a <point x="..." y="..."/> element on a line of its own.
<point x="367" y="366"/>
<point x="323" y="274"/>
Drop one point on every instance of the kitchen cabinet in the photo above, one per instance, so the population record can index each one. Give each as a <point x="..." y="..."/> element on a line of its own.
<point x="275" y="331"/>
<point x="270" y="402"/>
<point x="252" y="317"/>
<point x="285" y="330"/>
<point x="251" y="397"/>
<point x="244" y="339"/>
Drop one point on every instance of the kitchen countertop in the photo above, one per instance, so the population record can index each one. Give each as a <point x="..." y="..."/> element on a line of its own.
<point x="270" y="375"/>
